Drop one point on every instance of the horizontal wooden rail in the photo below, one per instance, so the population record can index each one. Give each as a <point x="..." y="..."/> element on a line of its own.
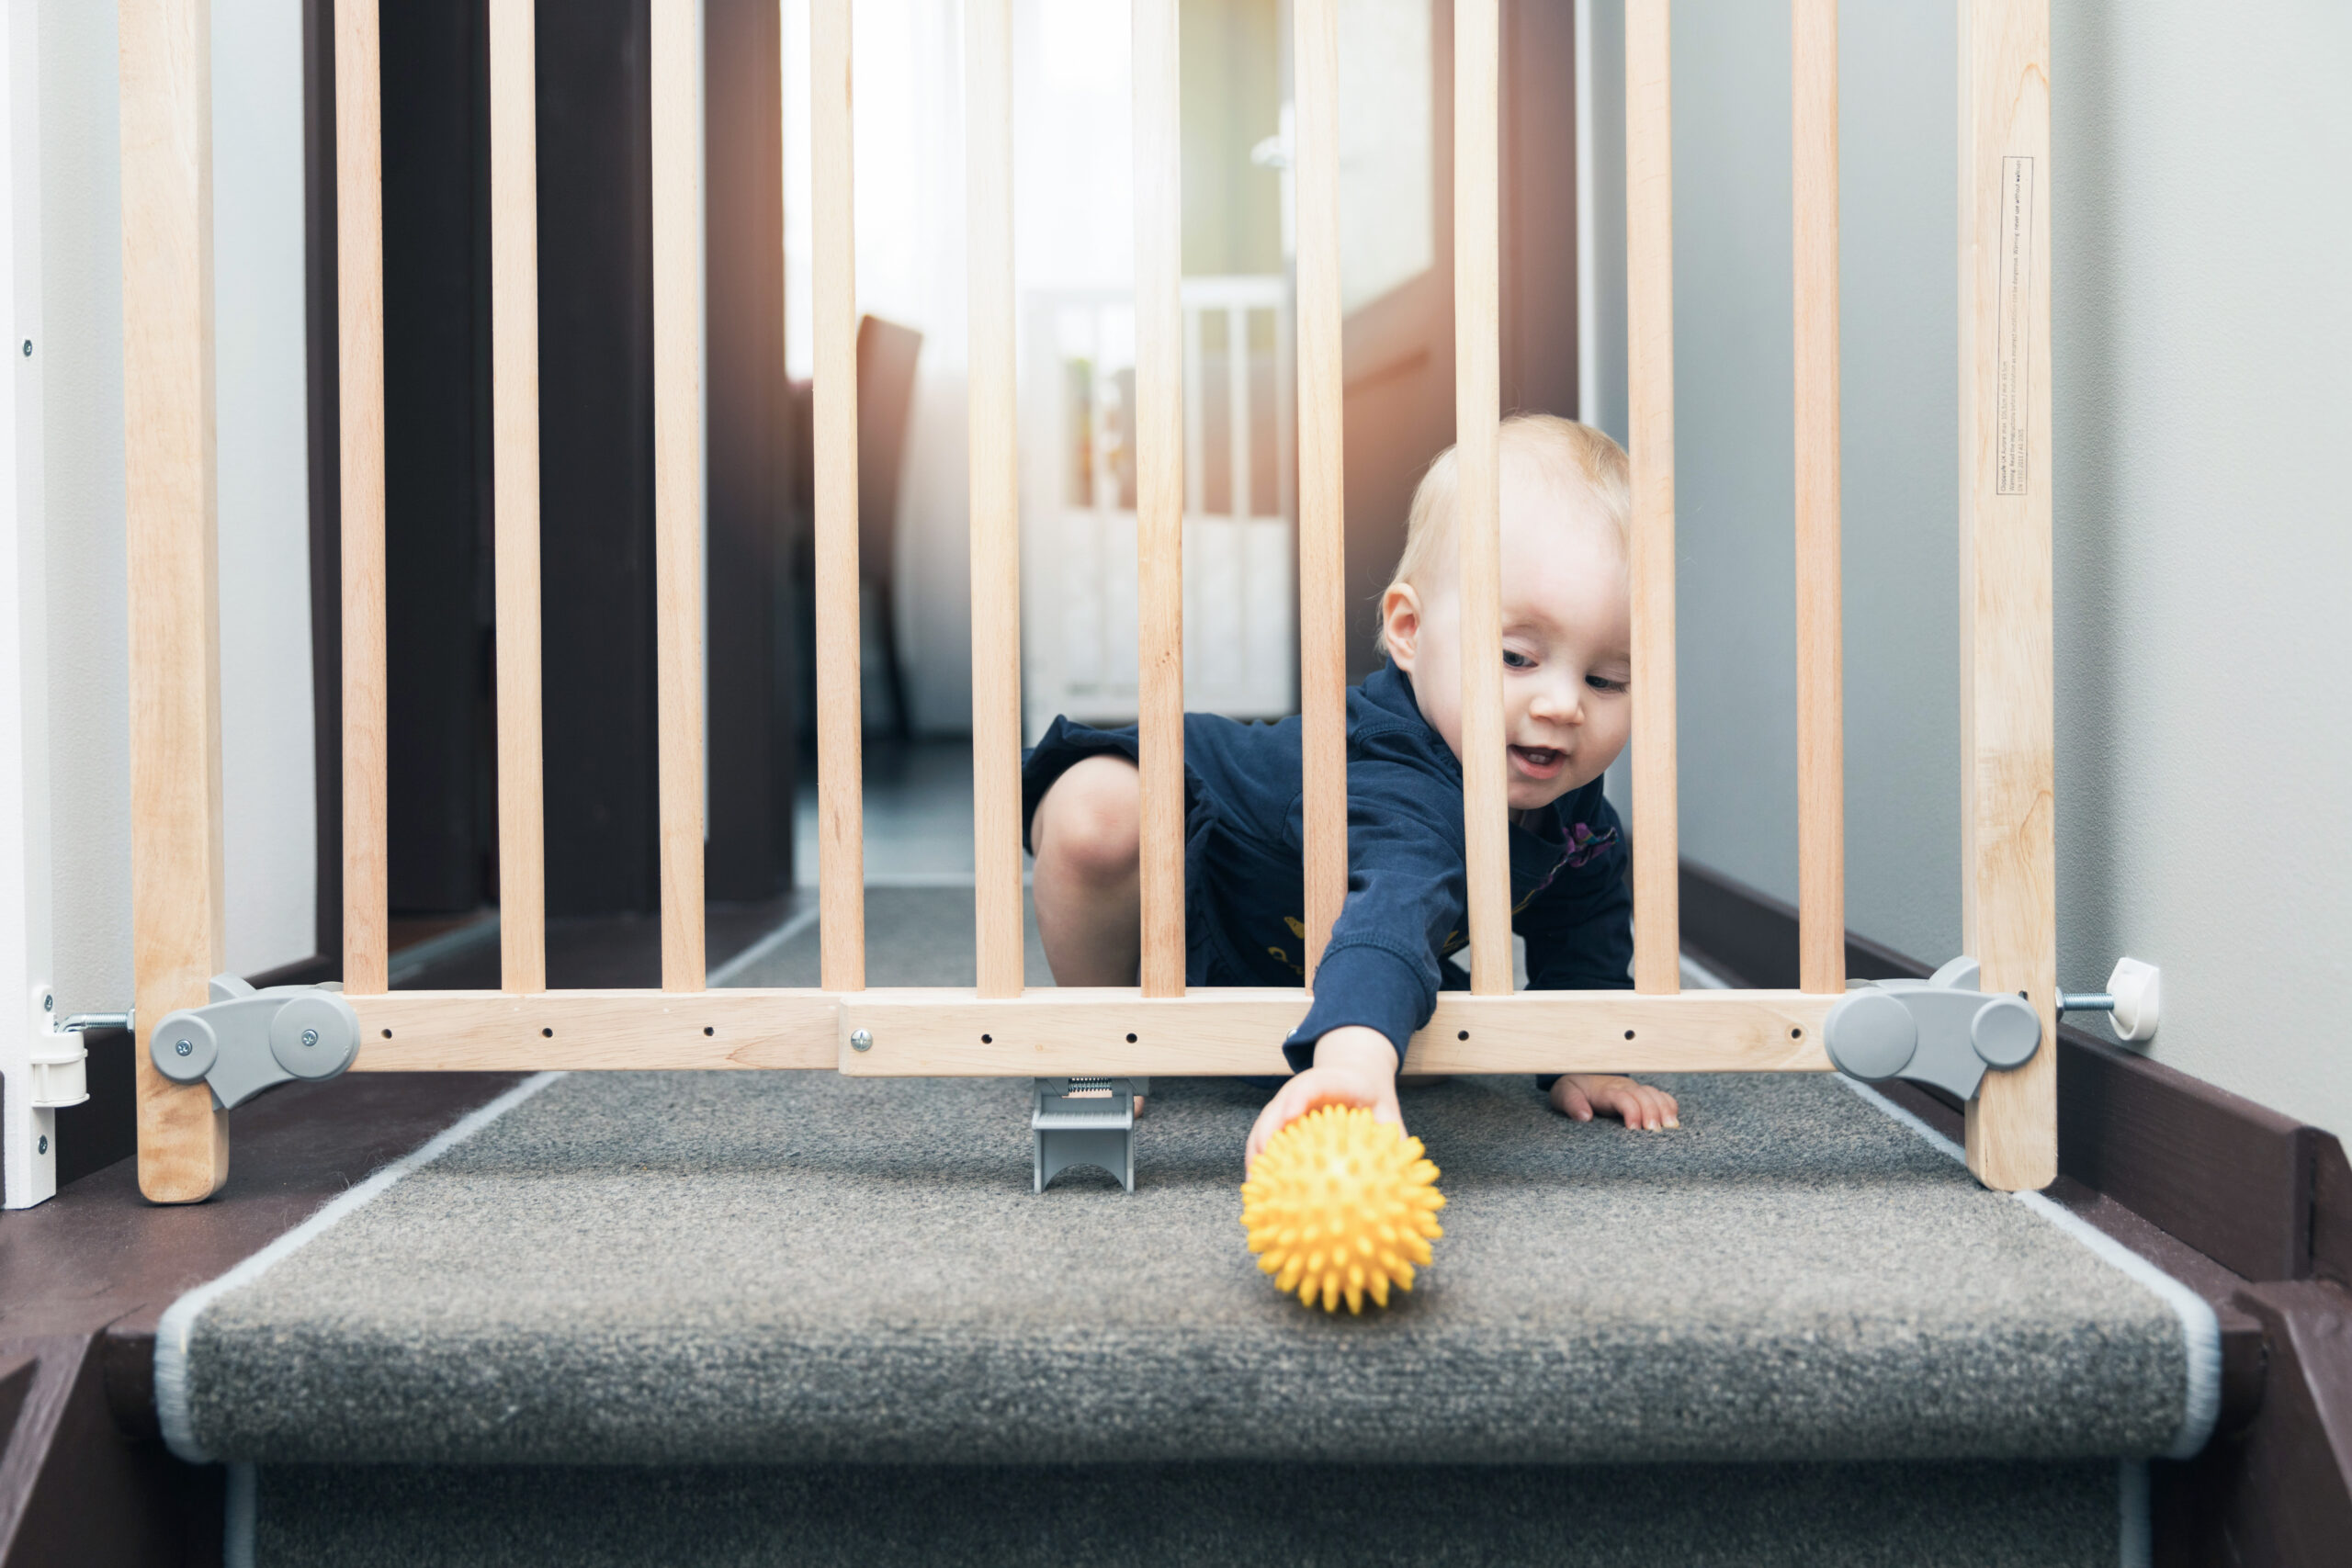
<point x="501" y="1031"/>
<point x="957" y="1032"/>
<point x="1624" y="1032"/>
<point x="1238" y="1029"/>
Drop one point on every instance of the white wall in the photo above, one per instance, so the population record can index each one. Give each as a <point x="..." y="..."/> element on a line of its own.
<point x="267" y="758"/>
<point x="2203" y="347"/>
<point x="82" y="393"/>
<point x="268" y="783"/>
<point x="2204" y="541"/>
<point x="27" y="1143"/>
<point x="1735" y="479"/>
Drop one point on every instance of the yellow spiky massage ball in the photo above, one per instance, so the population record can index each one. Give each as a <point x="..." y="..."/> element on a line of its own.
<point x="1340" y="1206"/>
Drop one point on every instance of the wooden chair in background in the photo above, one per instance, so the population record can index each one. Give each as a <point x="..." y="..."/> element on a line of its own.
<point x="887" y="353"/>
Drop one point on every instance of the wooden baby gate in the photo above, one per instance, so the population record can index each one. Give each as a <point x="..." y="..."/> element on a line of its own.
<point x="1159" y="1028"/>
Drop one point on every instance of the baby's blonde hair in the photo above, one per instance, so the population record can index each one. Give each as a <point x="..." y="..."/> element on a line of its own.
<point x="1562" y="452"/>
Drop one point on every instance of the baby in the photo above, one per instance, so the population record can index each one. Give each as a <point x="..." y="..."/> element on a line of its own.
<point x="1566" y="671"/>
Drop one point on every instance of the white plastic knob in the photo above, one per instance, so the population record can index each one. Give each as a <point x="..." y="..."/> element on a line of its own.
<point x="2138" y="989"/>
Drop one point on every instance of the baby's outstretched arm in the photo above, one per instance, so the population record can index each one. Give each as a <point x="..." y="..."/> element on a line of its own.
<point x="1643" y="1107"/>
<point x="1353" y="1066"/>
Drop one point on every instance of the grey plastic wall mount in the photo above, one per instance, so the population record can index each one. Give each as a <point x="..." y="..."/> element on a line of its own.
<point x="1940" y="1031"/>
<point x="1084" y="1122"/>
<point x="245" y="1041"/>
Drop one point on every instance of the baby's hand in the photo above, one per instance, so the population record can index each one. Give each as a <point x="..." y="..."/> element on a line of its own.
<point x="1353" y="1066"/>
<point x="1640" y="1104"/>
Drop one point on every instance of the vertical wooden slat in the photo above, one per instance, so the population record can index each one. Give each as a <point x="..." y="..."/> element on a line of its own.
<point x="176" y="884"/>
<point x="996" y="500"/>
<point x="359" y="390"/>
<point x="1322" y="468"/>
<point x="1196" y="424"/>
<point x="1649" y="384"/>
<point x="514" y="423"/>
<point x="1285" y="414"/>
<point x="1240" y="416"/>
<point x="678" y="483"/>
<point x="1477" y="405"/>
<point x="2008" y="852"/>
<point x="1236" y="411"/>
<point x="1821" y="737"/>
<point x="840" y="813"/>
<point x="1160" y="491"/>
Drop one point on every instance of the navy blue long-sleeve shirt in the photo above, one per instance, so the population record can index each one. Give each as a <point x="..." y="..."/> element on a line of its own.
<point x="1404" y="914"/>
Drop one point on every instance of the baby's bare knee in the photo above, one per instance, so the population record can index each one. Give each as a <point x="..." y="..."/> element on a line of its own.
<point x="1088" y="824"/>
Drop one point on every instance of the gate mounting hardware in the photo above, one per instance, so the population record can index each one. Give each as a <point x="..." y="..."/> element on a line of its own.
<point x="245" y="1041"/>
<point x="1085" y="1121"/>
<point x="2131" y="999"/>
<point x="60" y="1063"/>
<point x="1940" y="1031"/>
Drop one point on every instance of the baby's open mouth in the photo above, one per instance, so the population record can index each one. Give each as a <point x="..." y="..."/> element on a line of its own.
<point x="1539" y="761"/>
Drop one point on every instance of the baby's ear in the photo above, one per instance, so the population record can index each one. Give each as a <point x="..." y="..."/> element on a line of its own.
<point x="1400" y="623"/>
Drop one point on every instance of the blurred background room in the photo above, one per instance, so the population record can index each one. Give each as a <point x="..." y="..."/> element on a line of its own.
<point x="1075" y="332"/>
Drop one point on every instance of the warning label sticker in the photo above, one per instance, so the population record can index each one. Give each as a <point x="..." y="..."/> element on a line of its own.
<point x="2015" y="346"/>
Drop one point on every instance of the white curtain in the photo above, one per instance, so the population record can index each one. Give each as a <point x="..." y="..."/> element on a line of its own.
<point x="1073" y="226"/>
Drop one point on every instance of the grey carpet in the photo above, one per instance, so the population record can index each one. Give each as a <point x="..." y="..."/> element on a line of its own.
<point x="914" y="936"/>
<point x="799" y="1267"/>
<point x="1962" y="1515"/>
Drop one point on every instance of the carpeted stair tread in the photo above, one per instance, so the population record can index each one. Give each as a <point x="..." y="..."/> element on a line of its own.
<point x="1984" y="1515"/>
<point x="726" y="1268"/>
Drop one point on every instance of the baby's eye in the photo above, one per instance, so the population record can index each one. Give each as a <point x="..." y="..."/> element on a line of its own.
<point x="1604" y="683"/>
<point x="1514" y="659"/>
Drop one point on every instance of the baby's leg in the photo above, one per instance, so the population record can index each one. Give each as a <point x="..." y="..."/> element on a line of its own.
<point x="1087" y="883"/>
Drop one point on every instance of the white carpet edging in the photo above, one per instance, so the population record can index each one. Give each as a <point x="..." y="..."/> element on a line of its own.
<point x="179" y="1325"/>
<point x="2201" y="1331"/>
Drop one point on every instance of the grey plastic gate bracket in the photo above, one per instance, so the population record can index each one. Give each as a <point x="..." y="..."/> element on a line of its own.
<point x="245" y="1041"/>
<point x="1084" y="1122"/>
<point x="1940" y="1031"/>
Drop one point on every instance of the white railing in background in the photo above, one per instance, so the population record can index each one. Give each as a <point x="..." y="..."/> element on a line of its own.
<point x="1078" y="503"/>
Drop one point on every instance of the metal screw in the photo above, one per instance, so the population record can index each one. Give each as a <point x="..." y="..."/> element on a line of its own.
<point x="310" y="1037"/>
<point x="861" y="1041"/>
<point x="49" y="1004"/>
<point x="28" y="348"/>
<point x="184" y="1048"/>
<point x="44" y="1144"/>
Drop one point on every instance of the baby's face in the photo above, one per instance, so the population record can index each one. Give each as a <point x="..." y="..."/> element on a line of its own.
<point x="1567" y="641"/>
